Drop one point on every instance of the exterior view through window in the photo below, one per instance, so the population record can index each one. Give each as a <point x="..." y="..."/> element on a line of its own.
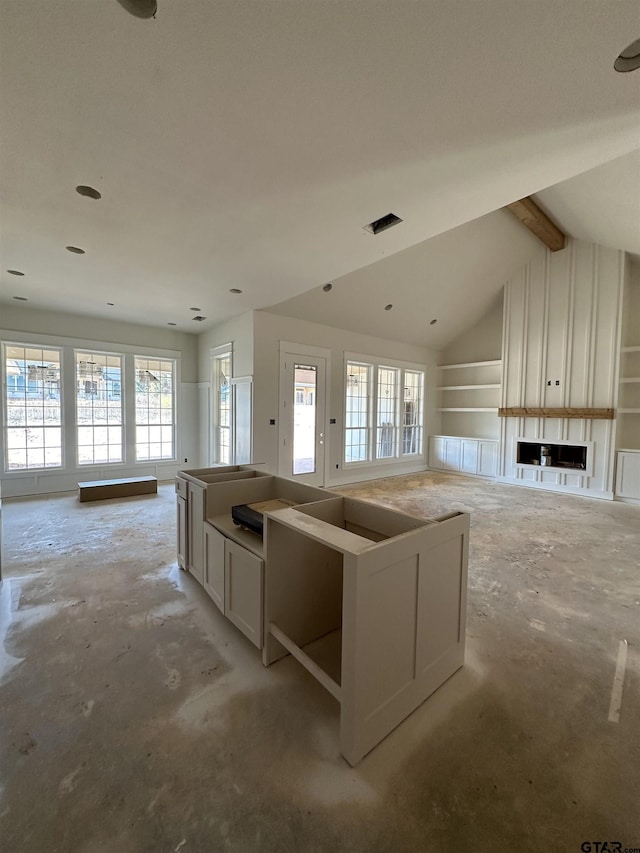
<point x="154" y="408"/>
<point x="33" y="407"/>
<point x="222" y="407"/>
<point x="392" y="399"/>
<point x="98" y="407"/>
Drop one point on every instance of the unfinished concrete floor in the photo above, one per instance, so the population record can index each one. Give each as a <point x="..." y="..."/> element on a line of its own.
<point x="135" y="718"/>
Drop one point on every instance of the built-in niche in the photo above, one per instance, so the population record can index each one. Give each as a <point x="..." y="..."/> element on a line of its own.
<point x="554" y="455"/>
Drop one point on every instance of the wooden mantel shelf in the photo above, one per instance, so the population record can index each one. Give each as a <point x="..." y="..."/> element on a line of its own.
<point x="583" y="414"/>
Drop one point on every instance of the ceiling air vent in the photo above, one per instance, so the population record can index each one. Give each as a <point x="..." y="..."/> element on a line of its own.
<point x="383" y="223"/>
<point x="199" y="318"/>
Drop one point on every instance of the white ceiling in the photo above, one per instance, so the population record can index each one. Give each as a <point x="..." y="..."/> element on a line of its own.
<point x="245" y="144"/>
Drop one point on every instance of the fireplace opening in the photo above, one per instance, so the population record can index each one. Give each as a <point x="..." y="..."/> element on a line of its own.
<point x="550" y="455"/>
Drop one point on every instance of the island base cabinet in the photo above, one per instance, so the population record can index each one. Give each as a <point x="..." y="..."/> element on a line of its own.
<point x="214" y="565"/>
<point x="243" y="582"/>
<point x="195" y="526"/>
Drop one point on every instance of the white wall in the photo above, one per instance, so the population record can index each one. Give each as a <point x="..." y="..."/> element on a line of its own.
<point x="269" y="330"/>
<point x="27" y="324"/>
<point x="562" y="320"/>
<point x="481" y="342"/>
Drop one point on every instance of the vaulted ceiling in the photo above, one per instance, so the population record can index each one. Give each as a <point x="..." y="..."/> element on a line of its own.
<point x="245" y="144"/>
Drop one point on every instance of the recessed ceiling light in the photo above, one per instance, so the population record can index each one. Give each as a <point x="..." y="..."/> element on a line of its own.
<point x="234" y="290"/>
<point x="171" y="324"/>
<point x="140" y="8"/>
<point x="629" y="58"/>
<point x="433" y="322"/>
<point x="88" y="192"/>
<point x="327" y="287"/>
<point x="195" y="309"/>
<point x="199" y="318"/>
<point x="75" y="250"/>
<point x="15" y="272"/>
<point x="21" y="298"/>
<point x="110" y="303"/>
<point x="388" y="307"/>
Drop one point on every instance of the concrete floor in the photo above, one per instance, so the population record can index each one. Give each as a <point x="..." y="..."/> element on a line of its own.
<point x="135" y="718"/>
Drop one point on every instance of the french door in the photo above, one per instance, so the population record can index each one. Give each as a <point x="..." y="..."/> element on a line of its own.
<point x="302" y="416"/>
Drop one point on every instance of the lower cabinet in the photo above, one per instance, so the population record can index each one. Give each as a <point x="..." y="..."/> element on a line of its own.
<point x="465" y="455"/>
<point x="234" y="578"/>
<point x="243" y="580"/>
<point x="628" y="474"/>
<point x="195" y="523"/>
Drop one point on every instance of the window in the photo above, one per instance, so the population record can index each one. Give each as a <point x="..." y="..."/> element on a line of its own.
<point x="391" y="400"/>
<point x="387" y="410"/>
<point x="155" y="405"/>
<point x="357" y="422"/>
<point x="413" y="413"/>
<point x="98" y="407"/>
<point x="221" y="365"/>
<point x="33" y="408"/>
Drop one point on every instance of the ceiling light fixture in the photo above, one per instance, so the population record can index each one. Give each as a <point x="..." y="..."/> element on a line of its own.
<point x="171" y="324"/>
<point x="75" y="250"/>
<point x="88" y="192"/>
<point x="234" y="290"/>
<point x="110" y="303"/>
<point x="21" y="298"/>
<point x="199" y="318"/>
<point x="15" y="272"/>
<point x="140" y="8"/>
<point x="629" y="58"/>
<point x="388" y="307"/>
<point x="195" y="309"/>
<point x="327" y="287"/>
<point x="433" y="322"/>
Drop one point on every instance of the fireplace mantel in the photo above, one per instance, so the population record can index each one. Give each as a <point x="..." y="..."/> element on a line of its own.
<point x="582" y="414"/>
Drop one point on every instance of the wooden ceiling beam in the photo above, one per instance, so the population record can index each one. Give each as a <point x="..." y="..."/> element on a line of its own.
<point x="528" y="212"/>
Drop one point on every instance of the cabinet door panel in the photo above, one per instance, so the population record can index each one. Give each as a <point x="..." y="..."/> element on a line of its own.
<point x="436" y="452"/>
<point x="628" y="475"/>
<point x="469" y="462"/>
<point x="452" y="454"/>
<point x="214" y="565"/>
<point x="488" y="458"/>
<point x="243" y="579"/>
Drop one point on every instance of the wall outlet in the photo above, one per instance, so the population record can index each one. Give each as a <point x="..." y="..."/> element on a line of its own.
<point x="337" y="466"/>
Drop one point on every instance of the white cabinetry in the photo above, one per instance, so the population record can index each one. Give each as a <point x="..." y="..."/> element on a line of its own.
<point x="243" y="582"/>
<point x="195" y="525"/>
<point x="214" y="564"/>
<point x="628" y="474"/>
<point x="464" y="455"/>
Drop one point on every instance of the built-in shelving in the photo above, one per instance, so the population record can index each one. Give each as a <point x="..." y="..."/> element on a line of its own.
<point x="471" y="401"/>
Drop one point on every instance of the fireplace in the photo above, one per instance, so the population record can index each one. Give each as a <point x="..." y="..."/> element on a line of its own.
<point x="554" y="455"/>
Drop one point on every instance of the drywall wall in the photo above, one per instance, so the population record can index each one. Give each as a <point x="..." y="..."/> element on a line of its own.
<point x="482" y="341"/>
<point x="132" y="335"/>
<point x="561" y="344"/>
<point x="269" y="330"/>
<point x="30" y="325"/>
<point x="237" y="331"/>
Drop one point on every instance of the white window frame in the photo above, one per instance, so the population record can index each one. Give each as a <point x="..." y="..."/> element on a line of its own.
<point x="216" y="354"/>
<point x="374" y="363"/>
<point x="122" y="424"/>
<point x="68" y="345"/>
<point x="26" y="471"/>
<point x="174" y="373"/>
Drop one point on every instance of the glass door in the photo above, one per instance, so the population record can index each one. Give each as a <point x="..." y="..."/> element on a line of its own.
<point x="302" y="418"/>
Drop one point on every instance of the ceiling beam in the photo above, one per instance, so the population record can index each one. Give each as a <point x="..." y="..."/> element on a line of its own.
<point x="528" y="212"/>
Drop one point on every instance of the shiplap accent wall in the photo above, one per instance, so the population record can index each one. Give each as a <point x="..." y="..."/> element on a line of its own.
<point x="562" y="321"/>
